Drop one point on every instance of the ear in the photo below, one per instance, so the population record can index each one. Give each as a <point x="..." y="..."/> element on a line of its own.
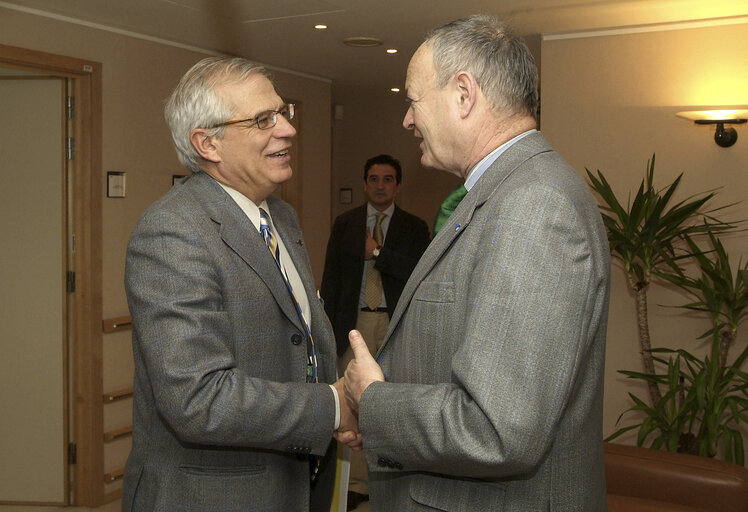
<point x="205" y="145"/>
<point x="467" y="92"/>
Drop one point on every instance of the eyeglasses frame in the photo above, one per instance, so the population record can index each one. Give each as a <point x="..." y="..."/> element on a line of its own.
<point x="256" y="119"/>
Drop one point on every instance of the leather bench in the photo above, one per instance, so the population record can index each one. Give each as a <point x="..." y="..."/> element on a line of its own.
<point x="646" y="480"/>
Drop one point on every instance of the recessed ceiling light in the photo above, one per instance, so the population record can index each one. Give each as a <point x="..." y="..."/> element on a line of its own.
<point x="395" y="89"/>
<point x="320" y="26"/>
<point x="391" y="50"/>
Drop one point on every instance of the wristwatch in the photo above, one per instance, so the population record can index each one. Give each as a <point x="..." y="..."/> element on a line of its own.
<point x="375" y="252"/>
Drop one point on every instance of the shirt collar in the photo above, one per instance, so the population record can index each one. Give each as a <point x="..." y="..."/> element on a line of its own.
<point x="250" y="209"/>
<point x="477" y="171"/>
<point x="371" y="211"/>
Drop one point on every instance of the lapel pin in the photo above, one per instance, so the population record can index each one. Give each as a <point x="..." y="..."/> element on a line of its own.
<point x="457" y="227"/>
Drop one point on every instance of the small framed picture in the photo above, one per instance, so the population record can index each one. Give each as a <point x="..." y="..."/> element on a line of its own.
<point x="345" y="196"/>
<point x="115" y="184"/>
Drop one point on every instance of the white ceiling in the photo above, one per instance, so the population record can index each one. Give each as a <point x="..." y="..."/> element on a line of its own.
<point x="280" y="33"/>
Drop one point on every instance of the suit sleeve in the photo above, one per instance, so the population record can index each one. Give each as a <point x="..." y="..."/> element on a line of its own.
<point x="189" y="345"/>
<point x="524" y="308"/>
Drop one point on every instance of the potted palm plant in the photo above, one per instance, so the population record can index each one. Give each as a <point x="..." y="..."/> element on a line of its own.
<point x="694" y="403"/>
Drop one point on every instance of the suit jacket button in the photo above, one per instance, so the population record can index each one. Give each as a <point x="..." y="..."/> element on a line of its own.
<point x="397" y="465"/>
<point x="296" y="339"/>
<point x="382" y="462"/>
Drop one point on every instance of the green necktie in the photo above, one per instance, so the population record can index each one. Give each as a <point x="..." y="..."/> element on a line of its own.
<point x="448" y="206"/>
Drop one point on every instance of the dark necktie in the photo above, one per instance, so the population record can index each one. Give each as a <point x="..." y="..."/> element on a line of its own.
<point x="448" y="206"/>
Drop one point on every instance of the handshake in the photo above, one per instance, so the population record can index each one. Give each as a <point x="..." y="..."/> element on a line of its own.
<point x="361" y="371"/>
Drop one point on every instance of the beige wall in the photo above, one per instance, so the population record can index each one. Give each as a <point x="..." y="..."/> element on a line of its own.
<point x="609" y="103"/>
<point x="137" y="76"/>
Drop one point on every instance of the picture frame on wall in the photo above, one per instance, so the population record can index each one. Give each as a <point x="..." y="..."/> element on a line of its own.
<point x="345" y="196"/>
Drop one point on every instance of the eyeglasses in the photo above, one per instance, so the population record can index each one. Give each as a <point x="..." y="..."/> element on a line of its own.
<point x="265" y="120"/>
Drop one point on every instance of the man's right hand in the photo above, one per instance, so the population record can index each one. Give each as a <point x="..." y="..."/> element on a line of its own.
<point x="347" y="432"/>
<point x="369" y="245"/>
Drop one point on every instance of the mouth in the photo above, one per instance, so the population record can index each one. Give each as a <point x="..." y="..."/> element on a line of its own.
<point x="279" y="154"/>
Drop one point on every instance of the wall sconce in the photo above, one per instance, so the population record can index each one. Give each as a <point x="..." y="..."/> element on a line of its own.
<point x="724" y="137"/>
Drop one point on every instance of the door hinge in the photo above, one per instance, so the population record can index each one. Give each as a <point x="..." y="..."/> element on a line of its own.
<point x="70" y="148"/>
<point x="72" y="453"/>
<point x="70" y="107"/>
<point x="71" y="281"/>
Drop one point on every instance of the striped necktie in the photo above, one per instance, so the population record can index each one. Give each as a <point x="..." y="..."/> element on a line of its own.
<point x="272" y="243"/>
<point x="311" y="367"/>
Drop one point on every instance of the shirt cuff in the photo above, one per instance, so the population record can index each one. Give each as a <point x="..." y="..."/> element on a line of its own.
<point x="337" y="407"/>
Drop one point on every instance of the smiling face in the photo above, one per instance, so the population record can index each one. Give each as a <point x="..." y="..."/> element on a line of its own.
<point x="429" y="113"/>
<point x="253" y="161"/>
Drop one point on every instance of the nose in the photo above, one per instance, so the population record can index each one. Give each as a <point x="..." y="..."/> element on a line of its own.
<point x="283" y="128"/>
<point x="408" y="122"/>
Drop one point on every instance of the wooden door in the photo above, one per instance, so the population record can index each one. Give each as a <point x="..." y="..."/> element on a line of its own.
<point x="33" y="305"/>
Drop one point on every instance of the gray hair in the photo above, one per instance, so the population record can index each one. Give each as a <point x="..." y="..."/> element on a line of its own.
<point x="498" y="59"/>
<point x="194" y="103"/>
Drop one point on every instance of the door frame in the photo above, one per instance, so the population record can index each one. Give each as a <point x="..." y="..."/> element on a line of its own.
<point x="85" y="357"/>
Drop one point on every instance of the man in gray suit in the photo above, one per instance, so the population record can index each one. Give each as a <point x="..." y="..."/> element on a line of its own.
<point x="489" y="395"/>
<point x="233" y="409"/>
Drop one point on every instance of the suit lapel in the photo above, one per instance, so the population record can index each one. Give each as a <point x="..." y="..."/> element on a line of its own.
<point x="504" y="166"/>
<point x="238" y="233"/>
<point x="454" y="227"/>
<point x="293" y="241"/>
<point x="395" y="231"/>
<point x="356" y="237"/>
<point x="287" y="227"/>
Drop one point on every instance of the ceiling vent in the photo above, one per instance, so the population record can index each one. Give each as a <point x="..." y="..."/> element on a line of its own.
<point x="362" y="42"/>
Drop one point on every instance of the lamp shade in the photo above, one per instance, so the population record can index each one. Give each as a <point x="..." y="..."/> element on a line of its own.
<point x="714" y="115"/>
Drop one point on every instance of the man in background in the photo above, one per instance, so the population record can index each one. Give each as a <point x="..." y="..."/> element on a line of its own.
<point x="234" y="356"/>
<point x="370" y="254"/>
<point x="489" y="395"/>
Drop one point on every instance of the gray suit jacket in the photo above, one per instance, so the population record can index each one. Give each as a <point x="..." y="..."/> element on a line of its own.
<point x="495" y="353"/>
<point x="223" y="419"/>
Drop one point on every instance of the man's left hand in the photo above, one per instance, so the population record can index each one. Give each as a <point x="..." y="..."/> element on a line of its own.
<point x="361" y="371"/>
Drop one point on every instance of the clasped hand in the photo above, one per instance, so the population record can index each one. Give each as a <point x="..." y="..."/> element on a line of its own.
<point x="347" y="432"/>
<point x="360" y="373"/>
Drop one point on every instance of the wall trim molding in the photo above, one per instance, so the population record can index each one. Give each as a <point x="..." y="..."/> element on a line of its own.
<point x="144" y="37"/>
<point x="658" y="27"/>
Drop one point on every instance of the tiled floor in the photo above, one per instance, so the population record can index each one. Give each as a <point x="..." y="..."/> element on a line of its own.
<point x="114" y="506"/>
